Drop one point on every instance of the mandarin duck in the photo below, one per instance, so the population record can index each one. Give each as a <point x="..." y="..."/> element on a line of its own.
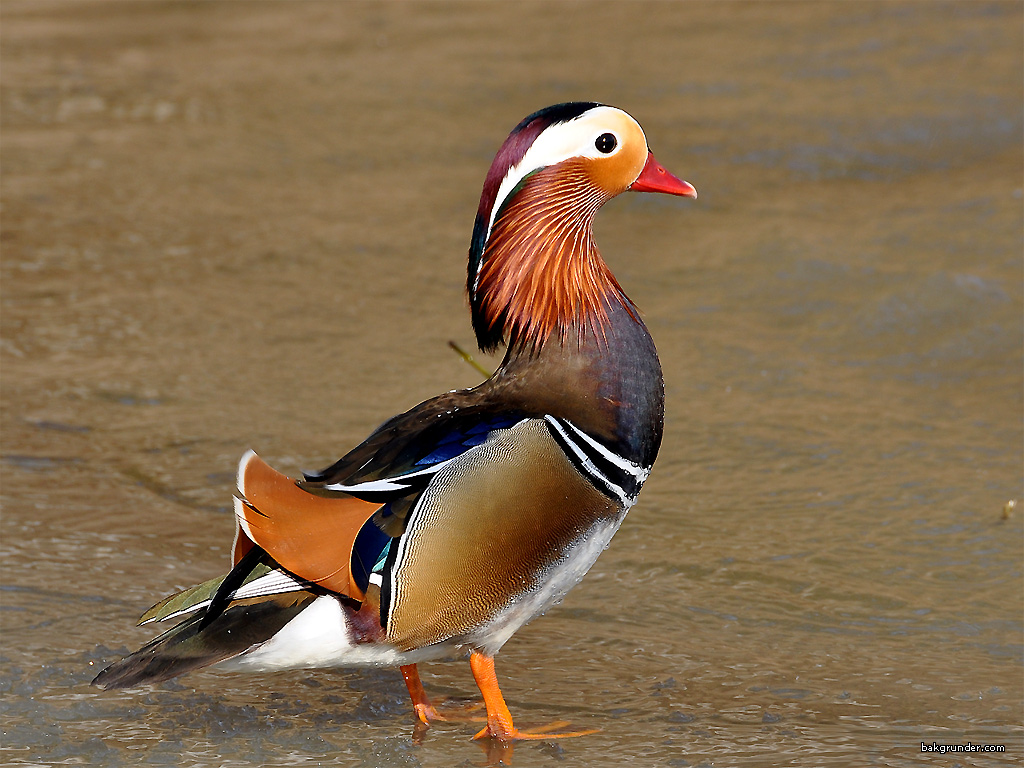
<point x="458" y="521"/>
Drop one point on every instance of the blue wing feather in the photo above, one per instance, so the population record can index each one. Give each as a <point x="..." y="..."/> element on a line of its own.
<point x="371" y="545"/>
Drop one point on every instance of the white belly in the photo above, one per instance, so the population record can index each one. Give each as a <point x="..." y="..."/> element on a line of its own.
<point x="320" y="636"/>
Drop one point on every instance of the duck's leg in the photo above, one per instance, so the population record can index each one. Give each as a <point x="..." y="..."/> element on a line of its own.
<point x="425" y="711"/>
<point x="499" y="719"/>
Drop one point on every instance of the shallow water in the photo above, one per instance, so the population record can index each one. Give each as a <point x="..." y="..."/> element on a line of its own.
<point x="244" y="225"/>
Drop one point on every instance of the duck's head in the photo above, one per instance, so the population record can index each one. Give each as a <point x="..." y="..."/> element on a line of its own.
<point x="534" y="269"/>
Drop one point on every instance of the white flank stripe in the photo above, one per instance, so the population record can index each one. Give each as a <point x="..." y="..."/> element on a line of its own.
<point x="400" y="553"/>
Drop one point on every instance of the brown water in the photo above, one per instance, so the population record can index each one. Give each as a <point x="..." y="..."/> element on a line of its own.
<point x="244" y="225"/>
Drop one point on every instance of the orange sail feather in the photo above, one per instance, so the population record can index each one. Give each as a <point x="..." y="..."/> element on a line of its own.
<point x="311" y="536"/>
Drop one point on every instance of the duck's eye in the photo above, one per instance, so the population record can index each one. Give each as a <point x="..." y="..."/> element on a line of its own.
<point x="605" y="142"/>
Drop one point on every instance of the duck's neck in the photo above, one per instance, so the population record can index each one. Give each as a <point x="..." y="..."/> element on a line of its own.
<point x="540" y="276"/>
<point x="577" y="348"/>
<point x="606" y="381"/>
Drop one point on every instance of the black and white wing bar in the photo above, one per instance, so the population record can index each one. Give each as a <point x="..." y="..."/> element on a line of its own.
<point x="389" y="487"/>
<point x="614" y="475"/>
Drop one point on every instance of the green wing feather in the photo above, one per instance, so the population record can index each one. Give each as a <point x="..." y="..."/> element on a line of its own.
<point x="190" y="599"/>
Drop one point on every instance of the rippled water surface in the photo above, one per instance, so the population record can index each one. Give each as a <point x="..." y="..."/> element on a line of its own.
<point x="234" y="225"/>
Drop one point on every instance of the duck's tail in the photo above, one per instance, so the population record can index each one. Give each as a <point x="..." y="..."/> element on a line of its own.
<point x="190" y="645"/>
<point x="233" y="614"/>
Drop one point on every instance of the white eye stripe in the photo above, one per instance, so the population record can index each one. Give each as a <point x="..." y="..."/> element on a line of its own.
<point x="574" y="138"/>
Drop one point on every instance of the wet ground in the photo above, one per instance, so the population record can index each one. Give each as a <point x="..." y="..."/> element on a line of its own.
<point x="234" y="225"/>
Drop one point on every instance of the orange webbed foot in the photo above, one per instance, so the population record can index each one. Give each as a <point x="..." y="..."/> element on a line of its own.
<point x="499" y="720"/>
<point x="444" y="710"/>
<point x="540" y="732"/>
<point x="428" y="712"/>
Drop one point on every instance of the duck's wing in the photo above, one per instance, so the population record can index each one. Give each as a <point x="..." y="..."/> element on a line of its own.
<point x="259" y="580"/>
<point x="333" y="528"/>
